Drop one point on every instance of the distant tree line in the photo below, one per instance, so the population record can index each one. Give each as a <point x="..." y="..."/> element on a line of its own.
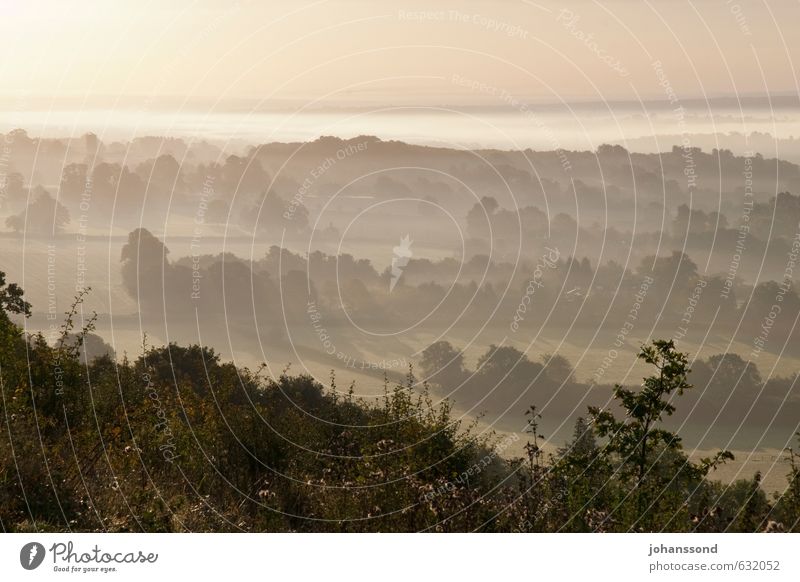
<point x="177" y="440"/>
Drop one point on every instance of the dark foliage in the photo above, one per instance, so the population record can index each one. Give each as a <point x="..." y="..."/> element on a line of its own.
<point x="178" y="440"/>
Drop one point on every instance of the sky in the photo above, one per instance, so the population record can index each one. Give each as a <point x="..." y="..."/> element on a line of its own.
<point x="334" y="53"/>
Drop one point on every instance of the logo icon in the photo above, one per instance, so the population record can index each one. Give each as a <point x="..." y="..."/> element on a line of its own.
<point x="402" y="253"/>
<point x="31" y="555"/>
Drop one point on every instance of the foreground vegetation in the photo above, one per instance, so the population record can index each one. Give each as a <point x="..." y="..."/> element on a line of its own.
<point x="178" y="440"/>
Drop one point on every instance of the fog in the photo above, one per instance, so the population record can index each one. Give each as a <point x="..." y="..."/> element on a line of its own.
<point x="505" y="278"/>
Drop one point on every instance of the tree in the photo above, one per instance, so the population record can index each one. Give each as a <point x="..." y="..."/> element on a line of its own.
<point x="90" y="346"/>
<point x="480" y="215"/>
<point x="75" y="182"/>
<point x="557" y="369"/>
<point x="787" y="506"/>
<point x="732" y="372"/>
<point x="636" y="437"/>
<point x="144" y="263"/>
<point x="273" y="214"/>
<point x="44" y="215"/>
<point x="583" y="475"/>
<point x="583" y="444"/>
<point x="12" y="191"/>
<point x="752" y="515"/>
<point x="243" y="177"/>
<point x="11" y="298"/>
<point x="443" y="364"/>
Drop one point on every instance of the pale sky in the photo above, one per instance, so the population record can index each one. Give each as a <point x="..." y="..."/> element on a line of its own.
<point x="386" y="52"/>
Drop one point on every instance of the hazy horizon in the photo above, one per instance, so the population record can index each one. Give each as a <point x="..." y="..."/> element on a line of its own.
<point x="298" y="266"/>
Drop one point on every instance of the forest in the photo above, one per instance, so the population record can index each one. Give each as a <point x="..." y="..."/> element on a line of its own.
<point x="506" y="278"/>
<point x="176" y="439"/>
